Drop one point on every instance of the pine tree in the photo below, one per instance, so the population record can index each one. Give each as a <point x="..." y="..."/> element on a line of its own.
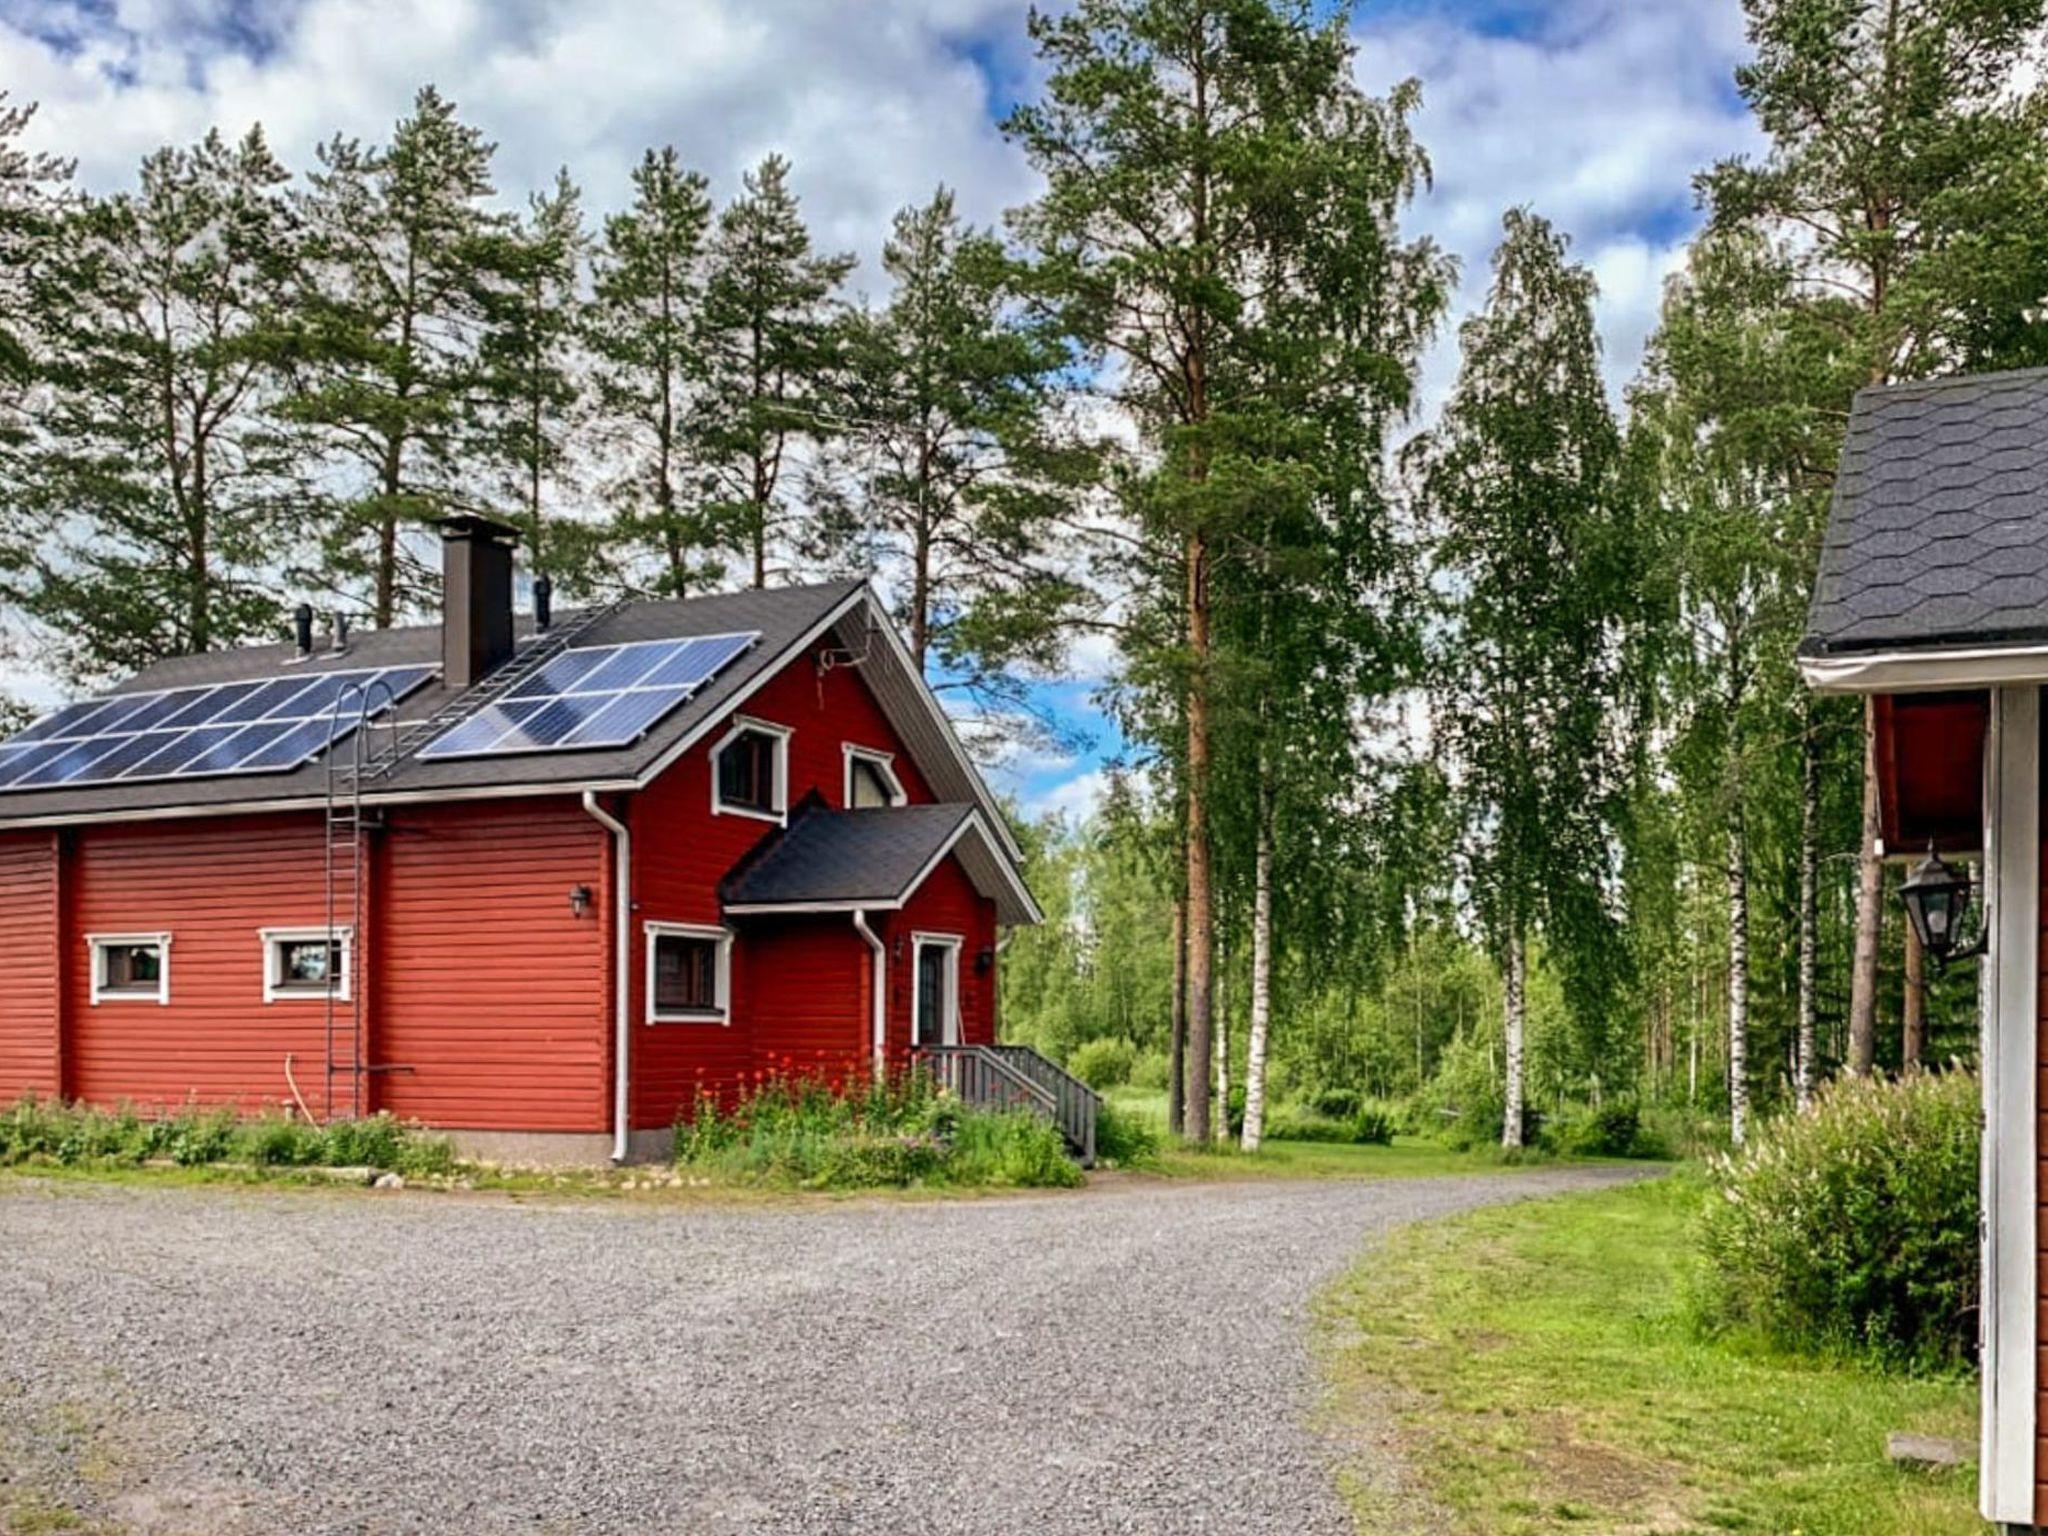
<point x="31" y="202"/>
<point x="533" y="376"/>
<point x="644" y="333"/>
<point x="401" y="256"/>
<point x="156" y="497"/>
<point x="771" y="339"/>
<point x="1520" y="482"/>
<point x="964" y="475"/>
<point x="1183" y="144"/>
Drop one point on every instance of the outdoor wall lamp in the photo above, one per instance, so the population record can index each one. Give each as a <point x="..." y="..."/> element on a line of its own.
<point x="1937" y="898"/>
<point x="984" y="961"/>
<point x="579" y="900"/>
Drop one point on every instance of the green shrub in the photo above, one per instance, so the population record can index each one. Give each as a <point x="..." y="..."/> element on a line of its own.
<point x="1369" y="1124"/>
<point x="1016" y="1149"/>
<point x="1853" y="1226"/>
<point x="1105" y="1063"/>
<point x="1151" y="1070"/>
<point x="1613" y="1129"/>
<point x="1125" y="1138"/>
<point x="1335" y="1103"/>
<point x="1373" y="1124"/>
<point x="1465" y="1104"/>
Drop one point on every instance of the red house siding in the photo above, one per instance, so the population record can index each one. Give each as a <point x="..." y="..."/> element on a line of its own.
<point x="211" y="885"/>
<point x="796" y="985"/>
<point x="29" y="984"/>
<point x="491" y="993"/>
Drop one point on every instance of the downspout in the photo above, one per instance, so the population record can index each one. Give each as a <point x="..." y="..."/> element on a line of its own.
<point x="622" y="949"/>
<point x="881" y="990"/>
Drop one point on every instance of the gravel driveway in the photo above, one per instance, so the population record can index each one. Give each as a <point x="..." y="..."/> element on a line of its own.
<point x="1131" y="1359"/>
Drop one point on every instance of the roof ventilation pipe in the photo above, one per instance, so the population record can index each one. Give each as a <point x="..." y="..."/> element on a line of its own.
<point x="543" y="603"/>
<point x="338" y="640"/>
<point x="476" y="598"/>
<point x="302" y="629"/>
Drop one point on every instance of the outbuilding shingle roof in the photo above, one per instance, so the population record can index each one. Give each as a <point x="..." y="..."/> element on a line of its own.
<point x="1938" y="536"/>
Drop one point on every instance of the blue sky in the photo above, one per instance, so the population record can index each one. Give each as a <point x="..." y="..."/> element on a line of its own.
<point x="1595" y="112"/>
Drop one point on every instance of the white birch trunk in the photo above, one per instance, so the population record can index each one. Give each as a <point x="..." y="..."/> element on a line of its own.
<point x="1221" y="1127"/>
<point x="1511" y="1120"/>
<point x="1738" y="979"/>
<point x="1809" y="916"/>
<point x="1262" y="974"/>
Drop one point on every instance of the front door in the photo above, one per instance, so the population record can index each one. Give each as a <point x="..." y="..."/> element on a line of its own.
<point x="937" y="1020"/>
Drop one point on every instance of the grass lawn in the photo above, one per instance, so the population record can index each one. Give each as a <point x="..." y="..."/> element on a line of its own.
<point x="1408" y="1157"/>
<point x="1540" y="1370"/>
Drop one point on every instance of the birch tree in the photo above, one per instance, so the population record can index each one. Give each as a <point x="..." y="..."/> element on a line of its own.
<point x="1519" y="482"/>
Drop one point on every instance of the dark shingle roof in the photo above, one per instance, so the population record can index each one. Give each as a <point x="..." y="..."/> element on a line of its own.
<point x="783" y="617"/>
<point x="1939" y="531"/>
<point x="851" y="858"/>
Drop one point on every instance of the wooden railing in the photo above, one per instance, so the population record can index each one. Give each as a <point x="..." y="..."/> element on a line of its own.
<point x="1017" y="1077"/>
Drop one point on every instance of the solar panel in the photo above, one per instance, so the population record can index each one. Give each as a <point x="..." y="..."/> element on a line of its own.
<point x="592" y="696"/>
<point x="263" y="726"/>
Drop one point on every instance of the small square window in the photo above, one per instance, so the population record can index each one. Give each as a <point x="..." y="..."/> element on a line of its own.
<point x="304" y="962"/>
<point x="687" y="973"/>
<point x="131" y="966"/>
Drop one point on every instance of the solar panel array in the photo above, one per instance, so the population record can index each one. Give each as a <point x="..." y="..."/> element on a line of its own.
<point x="594" y="696"/>
<point x="265" y="726"/>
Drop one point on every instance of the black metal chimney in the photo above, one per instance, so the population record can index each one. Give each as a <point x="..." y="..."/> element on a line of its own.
<point x="476" y="597"/>
<point x="302" y="628"/>
<point x="543" y="602"/>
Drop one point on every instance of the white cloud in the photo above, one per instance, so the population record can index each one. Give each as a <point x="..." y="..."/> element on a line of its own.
<point x="1077" y="798"/>
<point x="875" y="103"/>
<point x="1597" y="117"/>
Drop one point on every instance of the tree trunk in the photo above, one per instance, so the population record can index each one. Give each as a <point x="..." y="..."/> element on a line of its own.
<point x="1222" y="1126"/>
<point x="1804" y="1066"/>
<point x="1913" y="1039"/>
<point x="1262" y="971"/>
<point x="1517" y="958"/>
<point x="1201" y="896"/>
<point x="1869" y="913"/>
<point x="1738" y="977"/>
<point x="1176" y="1071"/>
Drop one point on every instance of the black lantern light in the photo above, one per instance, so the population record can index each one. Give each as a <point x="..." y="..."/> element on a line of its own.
<point x="1937" y="897"/>
<point x="579" y="900"/>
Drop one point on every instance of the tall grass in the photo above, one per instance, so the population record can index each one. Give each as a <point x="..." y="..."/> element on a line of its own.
<point x="51" y="1133"/>
<point x="806" y="1132"/>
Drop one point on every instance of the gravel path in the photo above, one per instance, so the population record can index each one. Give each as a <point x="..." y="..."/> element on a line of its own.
<point x="1128" y="1360"/>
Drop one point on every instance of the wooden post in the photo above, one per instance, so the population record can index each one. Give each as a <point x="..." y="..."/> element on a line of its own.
<point x="1913" y="1039"/>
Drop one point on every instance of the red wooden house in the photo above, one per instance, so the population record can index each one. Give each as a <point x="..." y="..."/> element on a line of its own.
<point x="1933" y="602"/>
<point x="537" y="884"/>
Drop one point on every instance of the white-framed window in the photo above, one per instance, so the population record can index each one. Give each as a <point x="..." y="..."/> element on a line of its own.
<point x="689" y="974"/>
<point x="750" y="770"/>
<point x="871" y="779"/>
<point x="935" y="988"/>
<point x="297" y="962"/>
<point x="130" y="967"/>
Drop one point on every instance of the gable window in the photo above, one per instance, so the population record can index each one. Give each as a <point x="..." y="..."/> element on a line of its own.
<point x="750" y="770"/>
<point x="871" y="780"/>
<point x="131" y="967"/>
<point x="298" y="962"/>
<point x="689" y="974"/>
